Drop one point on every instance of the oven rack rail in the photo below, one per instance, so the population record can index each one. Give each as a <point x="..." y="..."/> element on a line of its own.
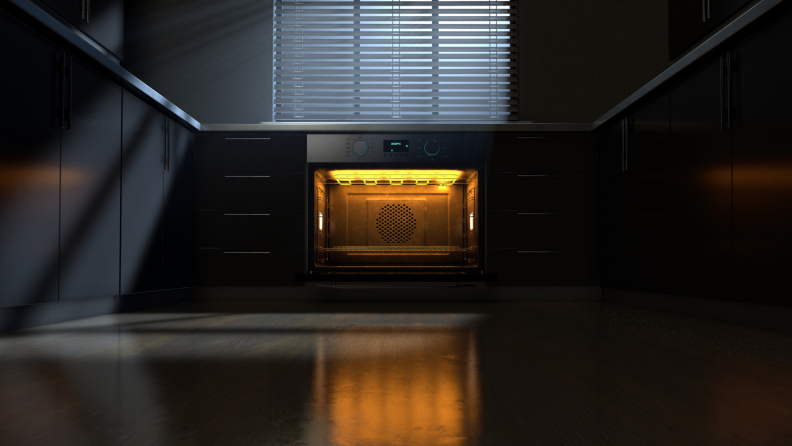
<point x="394" y="182"/>
<point x="411" y="249"/>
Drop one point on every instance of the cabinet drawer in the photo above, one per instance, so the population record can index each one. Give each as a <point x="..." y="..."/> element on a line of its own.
<point x="250" y="152"/>
<point x="274" y="229"/>
<point x="246" y="267"/>
<point x="512" y="191"/>
<point x="551" y="267"/>
<point x="551" y="153"/>
<point x="541" y="229"/>
<point x="242" y="191"/>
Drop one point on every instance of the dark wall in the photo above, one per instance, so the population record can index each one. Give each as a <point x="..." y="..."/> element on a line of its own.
<point x="578" y="58"/>
<point x="213" y="59"/>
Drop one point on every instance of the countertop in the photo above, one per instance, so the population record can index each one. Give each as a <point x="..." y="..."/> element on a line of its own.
<point x="135" y="85"/>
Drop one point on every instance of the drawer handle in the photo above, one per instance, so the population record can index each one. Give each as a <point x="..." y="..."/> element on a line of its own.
<point x="247" y="176"/>
<point x="247" y="139"/>
<point x="546" y="176"/>
<point x="262" y="215"/>
<point x="539" y="252"/>
<point x="538" y="213"/>
<point x="245" y="252"/>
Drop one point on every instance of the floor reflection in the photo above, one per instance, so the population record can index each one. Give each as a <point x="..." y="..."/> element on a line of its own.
<point x="397" y="388"/>
<point x="576" y="373"/>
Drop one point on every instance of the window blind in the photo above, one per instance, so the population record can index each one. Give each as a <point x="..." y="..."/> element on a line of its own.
<point x="418" y="60"/>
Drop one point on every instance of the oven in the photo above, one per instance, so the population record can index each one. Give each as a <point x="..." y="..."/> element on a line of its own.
<point x="395" y="207"/>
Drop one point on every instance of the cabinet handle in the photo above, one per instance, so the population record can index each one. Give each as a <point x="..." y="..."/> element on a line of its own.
<point x="703" y="10"/>
<point x="536" y="137"/>
<point x="722" y="95"/>
<point x="246" y="252"/>
<point x="623" y="141"/>
<point x="627" y="143"/>
<point x="728" y="89"/>
<point x="255" y="139"/>
<point x="538" y="213"/>
<point x="71" y="85"/>
<point x="545" y="176"/>
<point x="88" y="14"/>
<point x="258" y="215"/>
<point x="168" y="145"/>
<point x="709" y="8"/>
<point x="247" y="176"/>
<point x="539" y="252"/>
<point x="63" y="91"/>
<point x="83" y="9"/>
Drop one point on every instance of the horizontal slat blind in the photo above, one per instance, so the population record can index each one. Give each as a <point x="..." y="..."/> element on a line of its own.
<point x="364" y="60"/>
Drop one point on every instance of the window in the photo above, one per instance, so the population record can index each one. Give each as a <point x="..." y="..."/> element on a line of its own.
<point x="375" y="60"/>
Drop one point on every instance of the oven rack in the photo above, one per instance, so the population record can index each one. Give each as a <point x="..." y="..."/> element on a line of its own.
<point x="418" y="249"/>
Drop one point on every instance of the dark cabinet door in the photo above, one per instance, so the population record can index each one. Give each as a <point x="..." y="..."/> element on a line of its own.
<point x="142" y="170"/>
<point x="178" y="229"/>
<point x="71" y="10"/>
<point x="721" y="10"/>
<point x="763" y="164"/>
<point x="687" y="23"/>
<point x="30" y="88"/>
<point x="701" y="186"/>
<point x="612" y="226"/>
<point x="647" y="195"/>
<point x="104" y="22"/>
<point x="90" y="228"/>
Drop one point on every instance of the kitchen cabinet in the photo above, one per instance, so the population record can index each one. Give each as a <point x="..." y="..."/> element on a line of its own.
<point x="710" y="214"/>
<point x="249" y="267"/>
<point x="143" y="167"/>
<point x="91" y="187"/>
<point x="647" y="225"/>
<point x="701" y="221"/>
<point x="761" y="87"/>
<point x="30" y="119"/>
<point x="101" y="20"/>
<point x="612" y="225"/>
<point x="179" y="224"/>
<point x="541" y="210"/>
<point x="257" y="229"/>
<point x="690" y="20"/>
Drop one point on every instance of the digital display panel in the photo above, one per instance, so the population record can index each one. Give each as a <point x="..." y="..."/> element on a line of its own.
<point x="396" y="145"/>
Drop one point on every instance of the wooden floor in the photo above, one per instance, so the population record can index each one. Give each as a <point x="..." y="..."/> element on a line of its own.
<point x="518" y="373"/>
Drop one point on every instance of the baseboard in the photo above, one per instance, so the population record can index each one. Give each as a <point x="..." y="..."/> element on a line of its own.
<point x="316" y="293"/>
<point x="754" y="315"/>
<point x="28" y="316"/>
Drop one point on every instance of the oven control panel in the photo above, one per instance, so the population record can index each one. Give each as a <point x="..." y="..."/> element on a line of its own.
<point x="395" y="148"/>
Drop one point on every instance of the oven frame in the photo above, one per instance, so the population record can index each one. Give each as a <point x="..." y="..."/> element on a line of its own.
<point x="453" y="273"/>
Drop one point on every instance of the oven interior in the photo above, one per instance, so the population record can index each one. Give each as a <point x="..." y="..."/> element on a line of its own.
<point x="375" y="218"/>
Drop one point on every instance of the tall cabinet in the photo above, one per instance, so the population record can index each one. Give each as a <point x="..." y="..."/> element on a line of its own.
<point x="96" y="186"/>
<point x="30" y="120"/>
<point x="715" y="149"/>
<point x="90" y="185"/>
<point x="761" y="82"/>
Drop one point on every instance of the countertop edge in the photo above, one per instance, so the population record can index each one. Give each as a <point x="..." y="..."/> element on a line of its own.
<point x="700" y="51"/>
<point x="128" y="80"/>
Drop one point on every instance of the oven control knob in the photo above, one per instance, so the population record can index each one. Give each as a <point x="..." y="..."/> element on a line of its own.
<point x="431" y="147"/>
<point x="360" y="148"/>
